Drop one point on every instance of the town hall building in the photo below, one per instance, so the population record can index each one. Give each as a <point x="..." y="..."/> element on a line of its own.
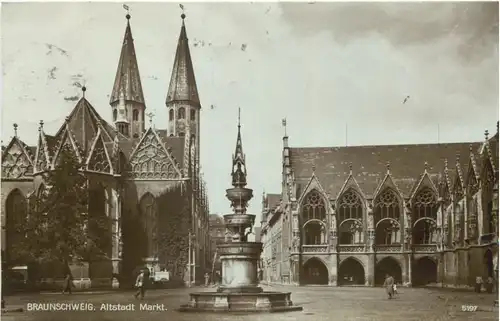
<point x="424" y="213"/>
<point x="147" y="180"/>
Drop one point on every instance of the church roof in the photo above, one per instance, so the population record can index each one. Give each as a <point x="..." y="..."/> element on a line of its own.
<point x="332" y="165"/>
<point x="83" y="123"/>
<point x="127" y="77"/>
<point x="182" y="82"/>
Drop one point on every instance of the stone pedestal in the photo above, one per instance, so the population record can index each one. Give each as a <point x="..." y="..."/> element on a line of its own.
<point x="239" y="267"/>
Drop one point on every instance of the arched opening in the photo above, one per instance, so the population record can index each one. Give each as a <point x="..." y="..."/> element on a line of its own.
<point x="387" y="214"/>
<point x="115" y="114"/>
<point x="192" y="115"/>
<point x="171" y="114"/>
<point x="16" y="208"/>
<point x="314" y="272"/>
<point x="389" y="266"/>
<point x="424" y="271"/>
<point x="135" y="115"/>
<point x="351" y="272"/>
<point x="314" y="218"/>
<point x="350" y="216"/>
<point x="488" y="264"/>
<point x="181" y="113"/>
<point x="387" y="232"/>
<point x="149" y="219"/>
<point x="424" y="231"/>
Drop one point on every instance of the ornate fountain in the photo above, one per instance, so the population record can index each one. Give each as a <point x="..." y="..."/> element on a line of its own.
<point x="239" y="290"/>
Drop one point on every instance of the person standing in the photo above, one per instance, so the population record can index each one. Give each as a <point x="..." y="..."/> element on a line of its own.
<point x="389" y="285"/>
<point x="67" y="284"/>
<point x="139" y="284"/>
<point x="479" y="284"/>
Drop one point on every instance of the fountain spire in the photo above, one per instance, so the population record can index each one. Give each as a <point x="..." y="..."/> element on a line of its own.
<point x="239" y="171"/>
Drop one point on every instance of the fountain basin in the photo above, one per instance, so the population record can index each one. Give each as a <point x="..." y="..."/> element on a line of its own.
<point x="237" y="220"/>
<point x="239" y="193"/>
<point x="240" y="302"/>
<point x="246" y="249"/>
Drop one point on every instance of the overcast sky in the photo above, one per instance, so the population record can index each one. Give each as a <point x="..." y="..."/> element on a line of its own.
<point x="321" y="66"/>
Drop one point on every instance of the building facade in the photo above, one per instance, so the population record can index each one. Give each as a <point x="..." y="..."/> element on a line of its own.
<point x="348" y="215"/>
<point x="217" y="236"/>
<point x="148" y="180"/>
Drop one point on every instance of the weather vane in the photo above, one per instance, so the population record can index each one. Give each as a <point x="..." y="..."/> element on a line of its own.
<point x="150" y="115"/>
<point x="126" y="8"/>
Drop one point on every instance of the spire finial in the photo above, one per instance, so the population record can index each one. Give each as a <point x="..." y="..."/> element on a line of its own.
<point x="388" y="166"/>
<point x="183" y="16"/>
<point x="350" y="168"/>
<point x="150" y="115"/>
<point x="486" y="134"/>
<point x="84" y="89"/>
<point x="15" y="130"/>
<point x="128" y="11"/>
<point x="283" y="123"/>
<point x="470" y="148"/>
<point x="457" y="157"/>
<point x="314" y="168"/>
<point x="426" y="166"/>
<point x="446" y="163"/>
<point x="239" y="117"/>
<point x="41" y="125"/>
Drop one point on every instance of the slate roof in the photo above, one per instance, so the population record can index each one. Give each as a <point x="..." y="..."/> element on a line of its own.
<point x="182" y="82"/>
<point x="127" y="77"/>
<point x="369" y="164"/>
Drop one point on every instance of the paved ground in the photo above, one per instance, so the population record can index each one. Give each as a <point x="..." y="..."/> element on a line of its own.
<point x="320" y="303"/>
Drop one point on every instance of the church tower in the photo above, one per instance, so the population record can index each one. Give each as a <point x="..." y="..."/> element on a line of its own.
<point x="128" y="87"/>
<point x="183" y="102"/>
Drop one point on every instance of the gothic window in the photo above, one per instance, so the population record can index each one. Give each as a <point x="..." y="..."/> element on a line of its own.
<point x="16" y="210"/>
<point x="151" y="160"/>
<point x="425" y="205"/>
<point x="458" y="222"/>
<point x="99" y="161"/>
<point x="387" y="232"/>
<point x="16" y="164"/>
<point x="488" y="182"/>
<point x="387" y="206"/>
<point x="171" y="114"/>
<point x="115" y="114"/>
<point x="350" y="215"/>
<point x="149" y="218"/>
<point x="424" y="231"/>
<point x="192" y="115"/>
<point x="314" y="207"/>
<point x="182" y="113"/>
<point x="135" y="115"/>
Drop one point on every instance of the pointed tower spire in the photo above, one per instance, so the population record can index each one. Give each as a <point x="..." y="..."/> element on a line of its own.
<point x="182" y="82"/>
<point x="128" y="82"/>
<point x="239" y="172"/>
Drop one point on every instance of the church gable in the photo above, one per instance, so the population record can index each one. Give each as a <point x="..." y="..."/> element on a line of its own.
<point x="424" y="182"/>
<point x="350" y="183"/>
<point x="41" y="160"/>
<point x="313" y="184"/>
<point x="16" y="161"/>
<point x="387" y="182"/>
<point x="471" y="180"/>
<point x="99" y="160"/>
<point x="68" y="143"/>
<point x="151" y="160"/>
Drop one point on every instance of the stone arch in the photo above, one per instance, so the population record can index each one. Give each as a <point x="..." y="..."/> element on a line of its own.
<point x="351" y="272"/>
<point x="350" y="212"/>
<point x="149" y="219"/>
<point x="313" y="217"/>
<point x="424" y="271"/>
<point x="424" y="231"/>
<point x="314" y="271"/>
<point x="387" y="232"/>
<point x="388" y="265"/>
<point x="16" y="210"/>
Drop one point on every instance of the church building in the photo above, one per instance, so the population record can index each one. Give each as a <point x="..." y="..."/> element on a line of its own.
<point x="147" y="180"/>
<point x="424" y="213"/>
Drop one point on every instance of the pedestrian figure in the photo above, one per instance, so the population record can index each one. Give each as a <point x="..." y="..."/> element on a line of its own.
<point x="479" y="284"/>
<point x="395" y="289"/>
<point x="389" y="285"/>
<point x="207" y="279"/>
<point x="489" y="285"/>
<point x="139" y="284"/>
<point x="67" y="284"/>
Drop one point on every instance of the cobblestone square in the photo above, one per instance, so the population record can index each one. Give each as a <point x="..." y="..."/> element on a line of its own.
<point x="319" y="303"/>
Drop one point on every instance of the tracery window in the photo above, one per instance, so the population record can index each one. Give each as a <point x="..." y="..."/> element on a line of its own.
<point x="314" y="233"/>
<point x="135" y="115"/>
<point x="387" y="215"/>
<point x="314" y="207"/>
<point x="115" y="114"/>
<point x="16" y="210"/>
<point x="192" y="115"/>
<point x="182" y="113"/>
<point x="149" y="217"/>
<point x="171" y="114"/>
<point x="350" y="215"/>
<point x="425" y="205"/>
<point x="424" y="231"/>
